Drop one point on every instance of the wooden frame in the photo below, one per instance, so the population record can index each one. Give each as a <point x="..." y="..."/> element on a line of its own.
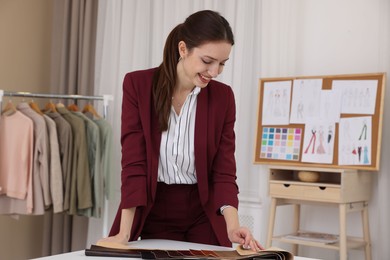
<point x="327" y="81"/>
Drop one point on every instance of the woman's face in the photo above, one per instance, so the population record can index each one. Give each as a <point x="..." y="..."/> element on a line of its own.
<point x="198" y="66"/>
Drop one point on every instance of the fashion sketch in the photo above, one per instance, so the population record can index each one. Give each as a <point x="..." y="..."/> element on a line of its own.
<point x="330" y="105"/>
<point x="357" y="96"/>
<point x="276" y="103"/>
<point x="306" y="98"/>
<point x="355" y="141"/>
<point x="318" y="142"/>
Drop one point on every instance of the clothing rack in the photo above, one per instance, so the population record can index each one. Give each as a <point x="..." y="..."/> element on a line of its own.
<point x="105" y="98"/>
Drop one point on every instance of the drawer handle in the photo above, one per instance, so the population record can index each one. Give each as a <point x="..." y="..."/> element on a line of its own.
<point x="286" y="185"/>
<point x="322" y="188"/>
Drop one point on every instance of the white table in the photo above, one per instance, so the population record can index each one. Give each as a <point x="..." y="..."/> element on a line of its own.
<point x="146" y="244"/>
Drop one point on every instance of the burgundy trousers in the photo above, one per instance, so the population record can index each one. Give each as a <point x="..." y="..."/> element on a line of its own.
<point x="177" y="214"/>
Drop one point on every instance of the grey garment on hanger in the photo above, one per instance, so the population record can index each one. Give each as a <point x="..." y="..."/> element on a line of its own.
<point x="65" y="141"/>
<point x="80" y="195"/>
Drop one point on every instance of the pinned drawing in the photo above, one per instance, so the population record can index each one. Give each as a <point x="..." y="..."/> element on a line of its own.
<point x="318" y="142"/>
<point x="358" y="96"/>
<point x="276" y="103"/>
<point x="305" y="100"/>
<point x="330" y="105"/>
<point x="355" y="141"/>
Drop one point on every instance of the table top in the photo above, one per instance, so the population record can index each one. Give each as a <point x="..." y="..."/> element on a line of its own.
<point x="146" y="244"/>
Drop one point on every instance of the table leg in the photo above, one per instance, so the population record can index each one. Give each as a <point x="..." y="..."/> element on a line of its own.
<point x="366" y="232"/>
<point x="271" y="222"/>
<point x="343" y="231"/>
<point x="297" y="215"/>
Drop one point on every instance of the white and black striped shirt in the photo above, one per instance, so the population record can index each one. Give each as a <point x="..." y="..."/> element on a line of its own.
<point x="177" y="159"/>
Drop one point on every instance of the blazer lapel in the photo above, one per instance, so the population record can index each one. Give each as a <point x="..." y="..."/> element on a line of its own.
<point x="201" y="144"/>
<point x="155" y="142"/>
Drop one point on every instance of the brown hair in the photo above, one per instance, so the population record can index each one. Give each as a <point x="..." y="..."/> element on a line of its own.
<point x="199" y="28"/>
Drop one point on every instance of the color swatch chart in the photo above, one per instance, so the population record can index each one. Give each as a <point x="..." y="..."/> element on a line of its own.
<point x="281" y="143"/>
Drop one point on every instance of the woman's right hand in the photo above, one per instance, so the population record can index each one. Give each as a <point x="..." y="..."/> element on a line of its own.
<point x="120" y="239"/>
<point x="114" y="241"/>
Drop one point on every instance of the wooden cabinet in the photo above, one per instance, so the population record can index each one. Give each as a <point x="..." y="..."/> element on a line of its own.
<point x="349" y="190"/>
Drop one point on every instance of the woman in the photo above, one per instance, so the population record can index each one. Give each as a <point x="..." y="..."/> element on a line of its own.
<point x="178" y="143"/>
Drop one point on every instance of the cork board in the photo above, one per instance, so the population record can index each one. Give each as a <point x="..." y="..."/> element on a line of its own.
<point x="332" y="121"/>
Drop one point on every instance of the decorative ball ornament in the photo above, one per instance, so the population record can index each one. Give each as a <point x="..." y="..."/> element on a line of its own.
<point x="308" y="176"/>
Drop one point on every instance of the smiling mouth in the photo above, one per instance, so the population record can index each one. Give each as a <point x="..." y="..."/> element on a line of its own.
<point x="204" y="79"/>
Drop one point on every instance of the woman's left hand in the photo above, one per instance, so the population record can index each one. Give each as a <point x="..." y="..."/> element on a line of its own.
<point x="243" y="236"/>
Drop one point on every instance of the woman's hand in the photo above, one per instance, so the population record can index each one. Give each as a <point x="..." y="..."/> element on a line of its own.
<point x="238" y="234"/>
<point x="117" y="242"/>
<point x="123" y="236"/>
<point x="118" y="239"/>
<point x="243" y="236"/>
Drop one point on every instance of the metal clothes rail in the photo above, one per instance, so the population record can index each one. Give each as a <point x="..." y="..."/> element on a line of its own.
<point x="104" y="98"/>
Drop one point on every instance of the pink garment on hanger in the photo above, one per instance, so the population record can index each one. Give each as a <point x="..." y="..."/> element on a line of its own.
<point x="16" y="156"/>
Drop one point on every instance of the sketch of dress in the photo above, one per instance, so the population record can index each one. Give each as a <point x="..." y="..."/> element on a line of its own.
<point x="330" y="136"/>
<point x="365" y="152"/>
<point x="367" y="98"/>
<point x="278" y="104"/>
<point x="285" y="103"/>
<point x="364" y="131"/>
<point x="320" y="148"/>
<point x="300" y="110"/>
<point x="312" y="141"/>
<point x="354" y="154"/>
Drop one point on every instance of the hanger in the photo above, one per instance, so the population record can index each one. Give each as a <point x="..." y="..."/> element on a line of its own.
<point x="73" y="107"/>
<point x="9" y="108"/>
<point x="88" y="108"/>
<point x="35" y="107"/>
<point x="59" y="104"/>
<point x="50" y="107"/>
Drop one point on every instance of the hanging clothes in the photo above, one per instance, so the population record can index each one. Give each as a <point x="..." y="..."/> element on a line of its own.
<point x="65" y="141"/>
<point x="55" y="171"/>
<point x="41" y="159"/>
<point x="70" y="160"/>
<point x="39" y="185"/>
<point x="93" y="143"/>
<point x="105" y="158"/>
<point x="16" y="162"/>
<point x="80" y="196"/>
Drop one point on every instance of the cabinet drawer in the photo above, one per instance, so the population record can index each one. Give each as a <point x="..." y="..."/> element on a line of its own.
<point x="305" y="192"/>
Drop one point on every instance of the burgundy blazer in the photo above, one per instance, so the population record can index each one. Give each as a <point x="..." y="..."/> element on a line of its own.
<point x="214" y="151"/>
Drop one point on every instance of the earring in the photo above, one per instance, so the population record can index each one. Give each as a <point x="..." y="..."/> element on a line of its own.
<point x="180" y="58"/>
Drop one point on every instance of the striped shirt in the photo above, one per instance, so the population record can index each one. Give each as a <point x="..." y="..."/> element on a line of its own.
<point x="177" y="158"/>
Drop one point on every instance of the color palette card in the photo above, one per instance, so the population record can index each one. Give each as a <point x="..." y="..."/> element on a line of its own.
<point x="281" y="143"/>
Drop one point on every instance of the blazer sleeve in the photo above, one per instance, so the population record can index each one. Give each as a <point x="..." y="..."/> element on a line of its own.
<point x="224" y="163"/>
<point x="133" y="175"/>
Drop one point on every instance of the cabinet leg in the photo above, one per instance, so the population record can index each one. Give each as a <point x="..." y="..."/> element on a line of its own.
<point x="343" y="231"/>
<point x="297" y="215"/>
<point x="366" y="233"/>
<point x="271" y="223"/>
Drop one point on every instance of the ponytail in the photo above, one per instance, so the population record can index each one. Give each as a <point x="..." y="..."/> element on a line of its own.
<point x="165" y="79"/>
